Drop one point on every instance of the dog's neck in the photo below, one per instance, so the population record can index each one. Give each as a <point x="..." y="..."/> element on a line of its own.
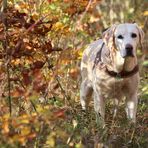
<point x="122" y="64"/>
<point x="129" y="63"/>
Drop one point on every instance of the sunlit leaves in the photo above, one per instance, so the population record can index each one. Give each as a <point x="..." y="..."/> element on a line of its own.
<point x="45" y="46"/>
<point x="145" y="13"/>
<point x="5" y="127"/>
<point x="50" y="142"/>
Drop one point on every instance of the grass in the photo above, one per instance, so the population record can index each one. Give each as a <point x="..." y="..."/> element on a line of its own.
<point x="60" y="125"/>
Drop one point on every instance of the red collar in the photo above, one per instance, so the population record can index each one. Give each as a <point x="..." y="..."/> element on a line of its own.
<point x="123" y="74"/>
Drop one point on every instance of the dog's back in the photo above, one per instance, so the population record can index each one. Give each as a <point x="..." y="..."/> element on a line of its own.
<point x="88" y="58"/>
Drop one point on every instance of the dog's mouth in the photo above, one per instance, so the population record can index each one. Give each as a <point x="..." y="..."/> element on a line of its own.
<point x="127" y="56"/>
<point x="127" y="53"/>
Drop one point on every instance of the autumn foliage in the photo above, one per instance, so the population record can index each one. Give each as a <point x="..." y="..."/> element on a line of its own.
<point x="41" y="44"/>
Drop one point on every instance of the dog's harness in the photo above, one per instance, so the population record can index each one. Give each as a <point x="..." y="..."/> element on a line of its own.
<point x="122" y="74"/>
<point x="98" y="56"/>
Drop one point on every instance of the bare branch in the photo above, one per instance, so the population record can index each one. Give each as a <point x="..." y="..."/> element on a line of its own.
<point x="78" y="23"/>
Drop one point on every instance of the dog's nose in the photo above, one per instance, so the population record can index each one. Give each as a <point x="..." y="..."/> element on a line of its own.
<point x="129" y="50"/>
<point x="129" y="47"/>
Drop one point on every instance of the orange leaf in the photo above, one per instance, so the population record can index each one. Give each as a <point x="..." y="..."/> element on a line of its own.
<point x="31" y="136"/>
<point x="74" y="73"/>
<point x="17" y="92"/>
<point x="60" y="113"/>
<point x="5" y="127"/>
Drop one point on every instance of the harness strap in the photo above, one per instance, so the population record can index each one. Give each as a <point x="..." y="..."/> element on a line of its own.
<point x="98" y="56"/>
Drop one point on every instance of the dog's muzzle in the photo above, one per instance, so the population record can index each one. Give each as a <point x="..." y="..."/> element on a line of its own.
<point x="128" y="51"/>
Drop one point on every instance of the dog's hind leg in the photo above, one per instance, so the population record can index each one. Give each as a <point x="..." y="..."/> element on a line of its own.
<point x="85" y="93"/>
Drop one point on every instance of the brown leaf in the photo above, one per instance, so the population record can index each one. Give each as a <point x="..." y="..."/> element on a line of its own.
<point x="60" y="113"/>
<point x="18" y="92"/>
<point x="38" y="65"/>
<point x="37" y="74"/>
<point x="26" y="78"/>
<point x="18" y="45"/>
<point x="2" y="37"/>
<point x="38" y="86"/>
<point x="74" y="73"/>
<point x="47" y="47"/>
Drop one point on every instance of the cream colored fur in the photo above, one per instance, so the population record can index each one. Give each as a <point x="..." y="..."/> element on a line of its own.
<point x="96" y="82"/>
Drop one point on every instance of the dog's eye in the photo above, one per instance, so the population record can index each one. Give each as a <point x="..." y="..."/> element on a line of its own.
<point x="120" y="37"/>
<point x="133" y="35"/>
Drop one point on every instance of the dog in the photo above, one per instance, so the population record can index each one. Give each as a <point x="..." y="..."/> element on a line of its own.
<point x="109" y="69"/>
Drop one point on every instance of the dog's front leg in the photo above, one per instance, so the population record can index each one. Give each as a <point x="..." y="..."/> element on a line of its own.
<point x="131" y="107"/>
<point x="85" y="93"/>
<point x="99" y="106"/>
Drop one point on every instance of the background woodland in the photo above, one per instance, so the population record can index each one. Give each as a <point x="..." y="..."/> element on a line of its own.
<point x="41" y="45"/>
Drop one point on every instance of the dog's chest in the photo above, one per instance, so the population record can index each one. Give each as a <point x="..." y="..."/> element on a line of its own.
<point x="111" y="87"/>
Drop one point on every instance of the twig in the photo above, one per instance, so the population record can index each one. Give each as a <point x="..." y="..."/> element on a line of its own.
<point x="132" y="136"/>
<point x="9" y="86"/>
<point x="33" y="105"/>
<point x="5" y="46"/>
<point x="84" y="13"/>
<point x="36" y="23"/>
<point x="63" y="91"/>
<point x="57" y="79"/>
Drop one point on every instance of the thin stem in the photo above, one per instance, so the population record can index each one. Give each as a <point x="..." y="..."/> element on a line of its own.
<point x="5" y="46"/>
<point x="9" y="86"/>
<point x="34" y="107"/>
<point x="78" y="23"/>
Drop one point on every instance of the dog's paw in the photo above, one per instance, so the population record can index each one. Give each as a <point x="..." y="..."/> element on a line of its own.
<point x="84" y="108"/>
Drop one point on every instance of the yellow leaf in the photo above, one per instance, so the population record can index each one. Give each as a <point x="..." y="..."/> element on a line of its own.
<point x="79" y="145"/>
<point x="58" y="26"/>
<point x="23" y="117"/>
<point x="6" y="116"/>
<point x="79" y="54"/>
<point x="20" y="139"/>
<point x="25" y="131"/>
<point x="51" y="140"/>
<point x="35" y="16"/>
<point x="145" y="13"/>
<point x="39" y="108"/>
<point x="25" y="121"/>
<point x="145" y="88"/>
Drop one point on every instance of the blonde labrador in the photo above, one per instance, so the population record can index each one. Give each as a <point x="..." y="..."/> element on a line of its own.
<point x="109" y="69"/>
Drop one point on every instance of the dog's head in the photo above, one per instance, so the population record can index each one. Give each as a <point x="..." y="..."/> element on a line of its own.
<point x="122" y="41"/>
<point x="124" y="38"/>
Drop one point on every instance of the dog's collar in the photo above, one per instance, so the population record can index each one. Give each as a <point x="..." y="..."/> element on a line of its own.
<point x="123" y="74"/>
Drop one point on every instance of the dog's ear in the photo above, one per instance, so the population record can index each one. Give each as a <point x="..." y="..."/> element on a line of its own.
<point x="108" y="36"/>
<point x="141" y="34"/>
